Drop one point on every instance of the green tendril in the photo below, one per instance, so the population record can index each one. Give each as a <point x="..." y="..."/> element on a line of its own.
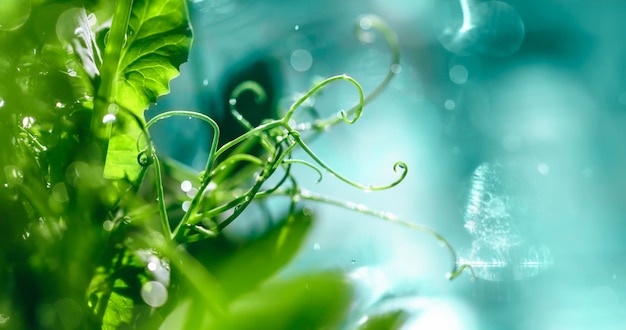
<point x="209" y="165"/>
<point x="165" y="222"/>
<point x="235" y="159"/>
<point x="321" y="163"/>
<point x="364" y="24"/>
<point x="304" y="194"/>
<point x="318" y="87"/>
<point x="307" y="164"/>
<point x="247" y="86"/>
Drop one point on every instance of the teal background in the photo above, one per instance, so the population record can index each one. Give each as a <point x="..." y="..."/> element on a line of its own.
<point x="513" y="131"/>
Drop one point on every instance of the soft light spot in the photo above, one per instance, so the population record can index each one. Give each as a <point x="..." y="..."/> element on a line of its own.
<point x="511" y="142"/>
<point x="365" y="23"/>
<point x="186" y="205"/>
<point x="186" y="186"/>
<point x="449" y="104"/>
<point x="154" y="294"/>
<point x="153" y="265"/>
<point x="13" y="174"/>
<point x="316" y="247"/>
<point x="301" y="60"/>
<point x="59" y="105"/>
<point x="27" y="122"/>
<point x="109" y="118"/>
<point x="1" y="102"/>
<point x="396" y="68"/>
<point x="492" y="28"/>
<point x="205" y="82"/>
<point x="59" y="193"/>
<point x="297" y="27"/>
<point x="108" y="225"/>
<point x="543" y="168"/>
<point x="458" y="74"/>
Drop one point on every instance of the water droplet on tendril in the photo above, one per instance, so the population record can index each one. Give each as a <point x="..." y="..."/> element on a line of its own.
<point x="396" y="68"/>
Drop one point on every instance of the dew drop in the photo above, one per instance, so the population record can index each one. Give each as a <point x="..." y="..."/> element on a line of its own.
<point x="59" y="105"/>
<point x="396" y="68"/>
<point x="154" y="294"/>
<point x="232" y="102"/>
<point x="1" y="102"/>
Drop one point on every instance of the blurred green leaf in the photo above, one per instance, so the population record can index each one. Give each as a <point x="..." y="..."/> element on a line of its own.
<point x="307" y="302"/>
<point x="387" y="321"/>
<point x="242" y="268"/>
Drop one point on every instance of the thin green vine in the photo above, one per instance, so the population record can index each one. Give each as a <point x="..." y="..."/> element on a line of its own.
<point x="279" y="138"/>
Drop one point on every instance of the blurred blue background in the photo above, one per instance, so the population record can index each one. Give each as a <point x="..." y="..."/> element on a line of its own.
<point x="510" y="116"/>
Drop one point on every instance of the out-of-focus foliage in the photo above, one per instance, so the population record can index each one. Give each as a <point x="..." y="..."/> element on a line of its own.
<point x="81" y="241"/>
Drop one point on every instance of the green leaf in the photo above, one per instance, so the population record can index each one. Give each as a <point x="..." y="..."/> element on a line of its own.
<point x="158" y="42"/>
<point x="309" y="302"/>
<point x="243" y="268"/>
<point x="158" y="39"/>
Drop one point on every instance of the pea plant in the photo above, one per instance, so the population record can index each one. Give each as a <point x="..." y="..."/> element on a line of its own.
<point x="99" y="230"/>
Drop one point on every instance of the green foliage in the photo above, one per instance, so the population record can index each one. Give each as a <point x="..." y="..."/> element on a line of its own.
<point x="83" y="244"/>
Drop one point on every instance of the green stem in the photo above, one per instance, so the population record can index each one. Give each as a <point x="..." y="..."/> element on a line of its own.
<point x="107" y="89"/>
